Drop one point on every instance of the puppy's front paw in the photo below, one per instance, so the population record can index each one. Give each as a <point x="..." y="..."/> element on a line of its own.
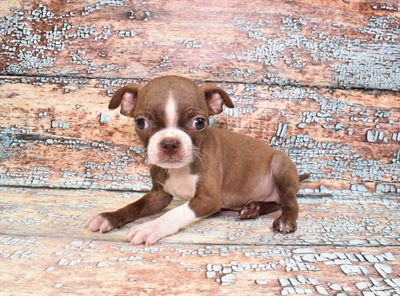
<point x="250" y="211"/>
<point x="148" y="233"/>
<point x="99" y="223"/>
<point x="285" y="225"/>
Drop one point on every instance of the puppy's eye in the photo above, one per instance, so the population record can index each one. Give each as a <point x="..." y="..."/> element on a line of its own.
<point x="141" y="123"/>
<point x="199" y="123"/>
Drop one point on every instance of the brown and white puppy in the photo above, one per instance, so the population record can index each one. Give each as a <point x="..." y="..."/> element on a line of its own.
<point x="209" y="168"/>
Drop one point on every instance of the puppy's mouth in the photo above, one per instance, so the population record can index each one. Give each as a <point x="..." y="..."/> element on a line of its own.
<point x="172" y="163"/>
<point x="164" y="160"/>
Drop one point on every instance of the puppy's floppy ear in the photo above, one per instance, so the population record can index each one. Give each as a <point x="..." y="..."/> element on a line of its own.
<point x="126" y="97"/>
<point x="215" y="97"/>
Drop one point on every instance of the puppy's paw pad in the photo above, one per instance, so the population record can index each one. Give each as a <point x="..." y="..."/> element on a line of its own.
<point x="284" y="225"/>
<point x="98" y="223"/>
<point x="250" y="211"/>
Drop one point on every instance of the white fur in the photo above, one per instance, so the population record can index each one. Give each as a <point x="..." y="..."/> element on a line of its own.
<point x="181" y="183"/>
<point x="168" y="224"/>
<point x="171" y="114"/>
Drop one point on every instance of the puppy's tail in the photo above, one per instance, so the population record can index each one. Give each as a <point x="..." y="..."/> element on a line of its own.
<point x="303" y="176"/>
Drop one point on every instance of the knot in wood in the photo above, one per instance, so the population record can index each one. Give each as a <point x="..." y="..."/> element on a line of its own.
<point x="139" y="15"/>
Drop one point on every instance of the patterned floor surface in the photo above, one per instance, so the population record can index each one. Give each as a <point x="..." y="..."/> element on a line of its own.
<point x="344" y="245"/>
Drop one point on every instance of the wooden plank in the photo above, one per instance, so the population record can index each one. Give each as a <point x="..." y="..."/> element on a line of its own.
<point x="351" y="246"/>
<point x="65" y="266"/>
<point x="328" y="220"/>
<point x="308" y="43"/>
<point x="58" y="132"/>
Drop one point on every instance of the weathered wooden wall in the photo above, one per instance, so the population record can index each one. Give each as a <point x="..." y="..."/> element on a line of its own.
<point x="318" y="79"/>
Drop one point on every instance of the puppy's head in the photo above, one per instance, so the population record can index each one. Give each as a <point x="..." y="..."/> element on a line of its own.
<point x="171" y="116"/>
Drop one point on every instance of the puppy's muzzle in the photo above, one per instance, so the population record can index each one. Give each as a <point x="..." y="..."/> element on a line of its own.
<point x="170" y="148"/>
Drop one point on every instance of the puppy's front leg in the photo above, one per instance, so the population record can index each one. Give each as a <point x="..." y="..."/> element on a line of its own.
<point x="150" y="203"/>
<point x="200" y="206"/>
<point x="168" y="224"/>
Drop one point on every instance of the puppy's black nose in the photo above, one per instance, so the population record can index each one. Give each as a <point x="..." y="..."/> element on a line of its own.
<point x="170" y="146"/>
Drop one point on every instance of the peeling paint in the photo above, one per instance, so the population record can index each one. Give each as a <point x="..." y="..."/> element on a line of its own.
<point x="6" y="140"/>
<point x="356" y="62"/>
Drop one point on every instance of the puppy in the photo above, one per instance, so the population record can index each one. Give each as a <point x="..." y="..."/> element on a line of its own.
<point x="209" y="168"/>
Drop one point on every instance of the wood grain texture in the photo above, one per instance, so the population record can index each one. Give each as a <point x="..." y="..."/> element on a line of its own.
<point x="317" y="79"/>
<point x="58" y="132"/>
<point x="314" y="43"/>
<point x="334" y="250"/>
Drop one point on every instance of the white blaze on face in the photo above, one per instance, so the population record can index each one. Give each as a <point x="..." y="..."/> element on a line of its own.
<point x="184" y="155"/>
<point x="171" y="113"/>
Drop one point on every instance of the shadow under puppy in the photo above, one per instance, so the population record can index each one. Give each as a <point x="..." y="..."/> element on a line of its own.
<point x="210" y="168"/>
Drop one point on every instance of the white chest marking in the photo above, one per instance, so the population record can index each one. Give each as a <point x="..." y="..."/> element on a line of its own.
<point x="181" y="183"/>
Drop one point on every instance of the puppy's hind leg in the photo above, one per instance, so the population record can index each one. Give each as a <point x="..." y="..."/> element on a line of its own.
<point x="255" y="209"/>
<point x="287" y="184"/>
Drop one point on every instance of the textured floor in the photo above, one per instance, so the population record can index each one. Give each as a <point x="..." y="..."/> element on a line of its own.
<point x="345" y="245"/>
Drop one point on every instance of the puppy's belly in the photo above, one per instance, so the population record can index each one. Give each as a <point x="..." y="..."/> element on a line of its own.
<point x="262" y="191"/>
